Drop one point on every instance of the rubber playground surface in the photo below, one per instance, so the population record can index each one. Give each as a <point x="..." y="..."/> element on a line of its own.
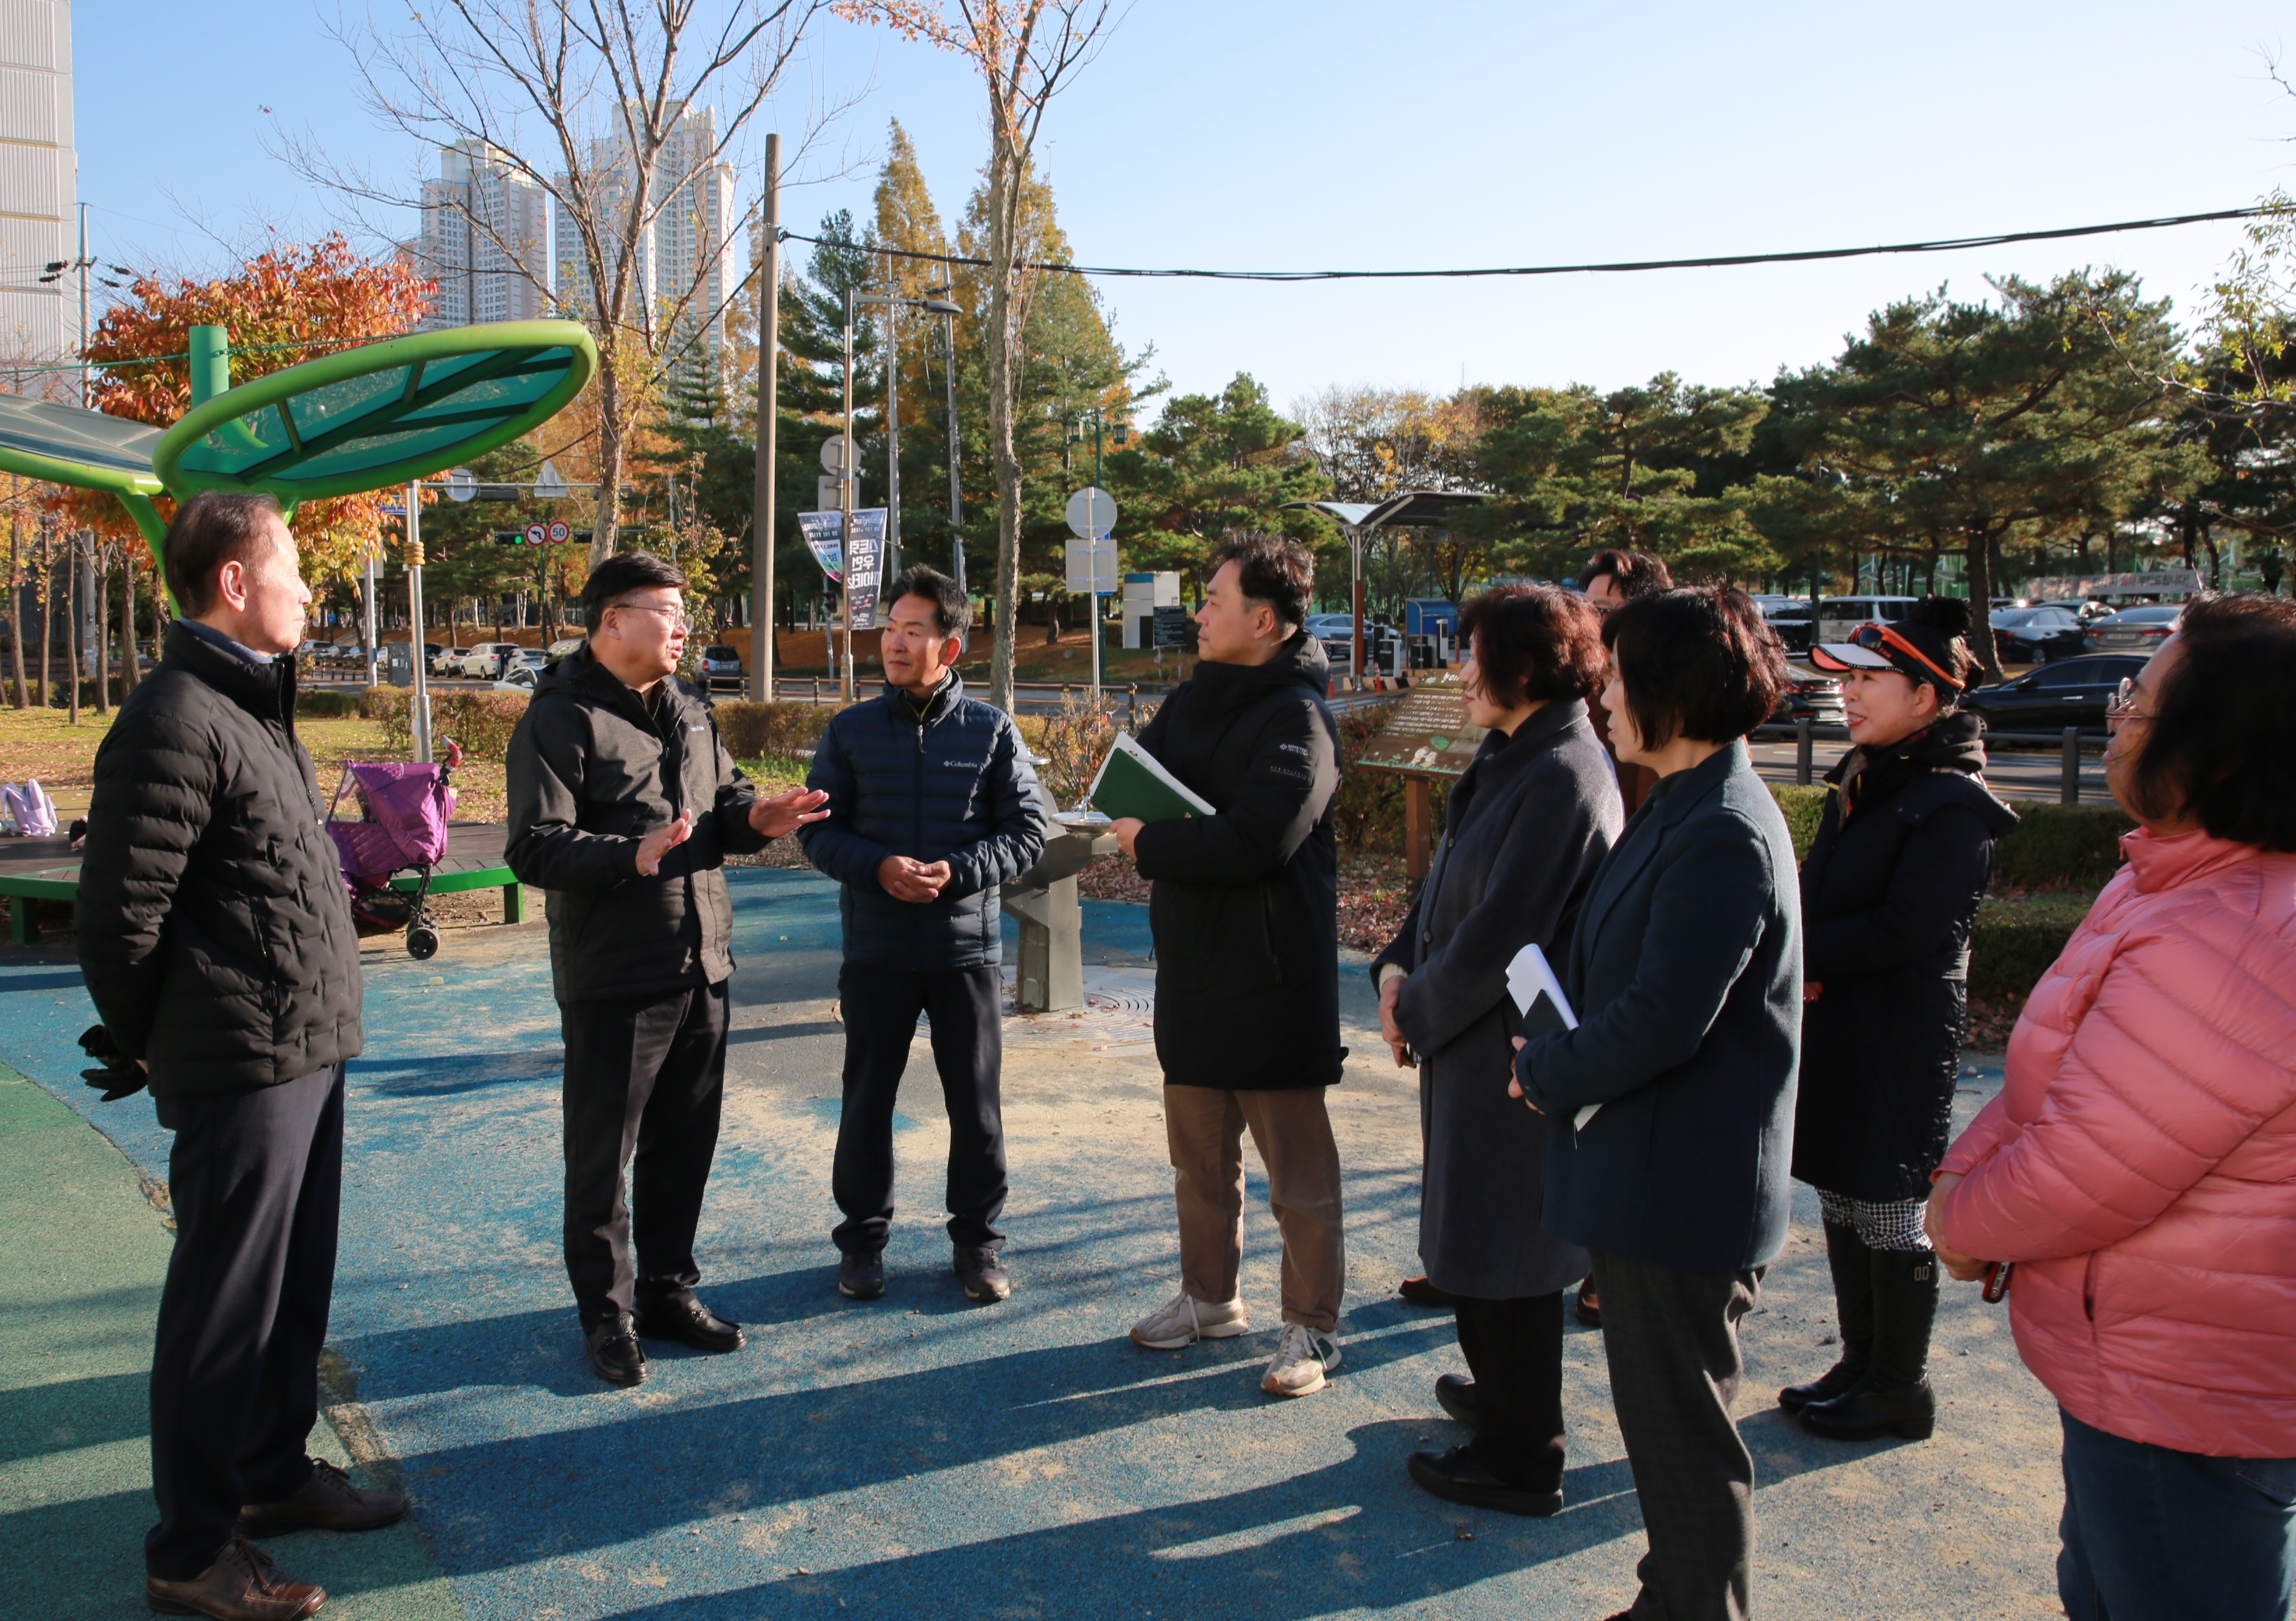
<point x="916" y="1457"/>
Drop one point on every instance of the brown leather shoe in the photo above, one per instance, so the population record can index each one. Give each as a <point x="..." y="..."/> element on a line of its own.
<point x="241" y="1585"/>
<point x="1421" y="1291"/>
<point x="327" y="1501"/>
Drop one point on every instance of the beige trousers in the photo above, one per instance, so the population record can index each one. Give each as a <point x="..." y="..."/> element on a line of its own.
<point x="1205" y="1127"/>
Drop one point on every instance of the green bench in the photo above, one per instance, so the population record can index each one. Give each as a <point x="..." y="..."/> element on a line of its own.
<point x="451" y="877"/>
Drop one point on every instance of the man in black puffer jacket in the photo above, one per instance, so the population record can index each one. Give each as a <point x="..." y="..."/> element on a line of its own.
<point x="1245" y="915"/>
<point x="932" y="804"/>
<point x="623" y="806"/>
<point x="215" y="935"/>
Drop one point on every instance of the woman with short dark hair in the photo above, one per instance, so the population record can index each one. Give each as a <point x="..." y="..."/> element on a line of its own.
<point x="1670" y="1105"/>
<point x="1527" y="822"/>
<point x="2139" y="1167"/>
<point x="1889" y="895"/>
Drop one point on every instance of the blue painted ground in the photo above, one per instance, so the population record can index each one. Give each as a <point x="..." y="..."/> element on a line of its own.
<point x="922" y="1458"/>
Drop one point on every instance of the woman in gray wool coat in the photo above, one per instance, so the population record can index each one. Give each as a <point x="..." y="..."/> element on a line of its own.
<point x="1527" y="823"/>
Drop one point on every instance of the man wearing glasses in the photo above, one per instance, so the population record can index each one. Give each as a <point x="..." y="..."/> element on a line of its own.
<point x="623" y="806"/>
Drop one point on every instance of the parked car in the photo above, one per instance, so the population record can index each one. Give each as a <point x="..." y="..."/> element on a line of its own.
<point x="1808" y="694"/>
<point x="1337" y="632"/>
<point x="1788" y="618"/>
<point x="563" y="646"/>
<point x="2036" y="635"/>
<point x="2068" y="692"/>
<point x="445" y="660"/>
<point x="720" y="664"/>
<point x="526" y="667"/>
<point x="2145" y="628"/>
<point x="483" y="660"/>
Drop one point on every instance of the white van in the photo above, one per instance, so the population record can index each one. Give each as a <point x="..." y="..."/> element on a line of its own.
<point x="1837" y="616"/>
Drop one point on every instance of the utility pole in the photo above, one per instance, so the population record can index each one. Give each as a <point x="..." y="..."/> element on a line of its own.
<point x="84" y="261"/>
<point x="845" y="509"/>
<point x="762" y="524"/>
<point x="955" y="484"/>
<point x="892" y="438"/>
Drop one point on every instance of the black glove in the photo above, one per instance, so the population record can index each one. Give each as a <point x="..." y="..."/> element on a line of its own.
<point x="121" y="1077"/>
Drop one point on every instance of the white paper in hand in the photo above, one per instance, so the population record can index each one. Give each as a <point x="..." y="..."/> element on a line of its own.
<point x="1530" y="976"/>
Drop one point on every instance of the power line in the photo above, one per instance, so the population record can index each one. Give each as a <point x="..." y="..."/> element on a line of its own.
<point x="1713" y="262"/>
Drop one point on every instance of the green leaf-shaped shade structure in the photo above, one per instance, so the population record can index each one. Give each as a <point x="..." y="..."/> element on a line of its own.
<point x="65" y="445"/>
<point x="378" y="415"/>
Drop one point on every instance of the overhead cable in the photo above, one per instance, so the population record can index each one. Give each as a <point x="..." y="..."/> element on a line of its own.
<point x="1713" y="262"/>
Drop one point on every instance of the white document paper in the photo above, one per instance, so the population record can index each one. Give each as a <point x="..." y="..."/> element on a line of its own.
<point x="1530" y="976"/>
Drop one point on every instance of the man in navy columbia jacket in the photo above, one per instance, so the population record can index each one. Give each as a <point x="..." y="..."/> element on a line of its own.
<point x="932" y="804"/>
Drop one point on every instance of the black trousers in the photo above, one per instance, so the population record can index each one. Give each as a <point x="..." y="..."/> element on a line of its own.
<point x="1514" y="1350"/>
<point x="881" y="1007"/>
<point x="256" y="1180"/>
<point x="1671" y="1339"/>
<point x="645" y="1078"/>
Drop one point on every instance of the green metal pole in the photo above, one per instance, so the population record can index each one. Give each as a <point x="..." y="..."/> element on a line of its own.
<point x="210" y="347"/>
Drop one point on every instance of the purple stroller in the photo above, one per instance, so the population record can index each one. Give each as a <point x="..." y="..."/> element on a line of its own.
<point x="395" y="821"/>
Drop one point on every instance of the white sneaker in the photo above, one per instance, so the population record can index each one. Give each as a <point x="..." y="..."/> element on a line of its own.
<point x="1303" y="1356"/>
<point x="1184" y="1319"/>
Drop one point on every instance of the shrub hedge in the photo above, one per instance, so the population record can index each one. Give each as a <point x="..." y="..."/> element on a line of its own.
<point x="2061" y="847"/>
<point x="756" y="731"/>
<point x="2015" y="939"/>
<point x="326" y="703"/>
<point x="480" y="721"/>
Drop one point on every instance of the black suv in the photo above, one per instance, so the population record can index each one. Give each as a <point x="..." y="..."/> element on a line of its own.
<point x="2068" y="692"/>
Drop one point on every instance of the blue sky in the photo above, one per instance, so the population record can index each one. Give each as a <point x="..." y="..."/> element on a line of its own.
<point x="1344" y="133"/>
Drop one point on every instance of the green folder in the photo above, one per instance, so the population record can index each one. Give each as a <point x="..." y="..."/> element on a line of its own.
<point x="1132" y="782"/>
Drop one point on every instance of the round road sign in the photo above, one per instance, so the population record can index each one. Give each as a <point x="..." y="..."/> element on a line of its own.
<point x="537" y="534"/>
<point x="461" y="486"/>
<point x="1092" y="512"/>
<point x="560" y="532"/>
<point x="832" y="452"/>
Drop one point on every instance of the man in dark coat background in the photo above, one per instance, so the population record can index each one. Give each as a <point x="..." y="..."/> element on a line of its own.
<point x="1244" y="912"/>
<point x="215" y="938"/>
<point x="932" y="805"/>
<point x="623" y="805"/>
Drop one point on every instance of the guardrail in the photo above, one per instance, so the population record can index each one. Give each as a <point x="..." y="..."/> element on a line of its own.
<point x="2071" y="743"/>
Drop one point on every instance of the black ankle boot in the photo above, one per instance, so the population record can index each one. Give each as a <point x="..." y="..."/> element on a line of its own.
<point x="1852" y="1266"/>
<point x="1895" y="1393"/>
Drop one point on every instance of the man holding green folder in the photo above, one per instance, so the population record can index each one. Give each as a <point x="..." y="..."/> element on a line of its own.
<point x="1245" y="915"/>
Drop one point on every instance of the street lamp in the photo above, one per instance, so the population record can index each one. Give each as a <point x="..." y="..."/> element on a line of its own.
<point x="890" y="302"/>
<point x="948" y="313"/>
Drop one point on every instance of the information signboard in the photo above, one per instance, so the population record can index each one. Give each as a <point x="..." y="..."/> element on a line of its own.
<point x="1427" y="733"/>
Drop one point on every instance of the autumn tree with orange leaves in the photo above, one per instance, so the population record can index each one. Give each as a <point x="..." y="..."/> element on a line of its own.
<point x="1025" y="51"/>
<point x="292" y="303"/>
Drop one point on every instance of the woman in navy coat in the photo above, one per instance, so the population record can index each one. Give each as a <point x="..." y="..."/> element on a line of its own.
<point x="1669" y="1108"/>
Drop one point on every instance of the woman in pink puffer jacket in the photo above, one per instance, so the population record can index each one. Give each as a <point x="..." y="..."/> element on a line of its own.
<point x="2139" y="1168"/>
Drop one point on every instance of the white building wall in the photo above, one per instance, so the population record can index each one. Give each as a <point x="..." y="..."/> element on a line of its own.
<point x="38" y="180"/>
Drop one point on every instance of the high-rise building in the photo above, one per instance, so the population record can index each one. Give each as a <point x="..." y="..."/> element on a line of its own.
<point x="685" y="272"/>
<point x="486" y="239"/>
<point x="40" y="180"/>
